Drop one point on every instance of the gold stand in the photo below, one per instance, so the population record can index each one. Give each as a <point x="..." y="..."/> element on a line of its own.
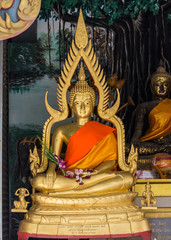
<point x="91" y="217"/>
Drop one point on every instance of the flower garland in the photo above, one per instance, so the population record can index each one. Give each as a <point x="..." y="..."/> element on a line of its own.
<point x="78" y="174"/>
<point x="53" y="157"/>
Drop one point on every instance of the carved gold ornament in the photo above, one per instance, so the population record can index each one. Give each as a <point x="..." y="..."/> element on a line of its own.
<point x="148" y="198"/>
<point x="21" y="204"/>
<point x="27" y="13"/>
<point x="5" y="4"/>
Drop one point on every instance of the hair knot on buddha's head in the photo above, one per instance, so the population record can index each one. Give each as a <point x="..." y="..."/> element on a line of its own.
<point x="81" y="87"/>
<point x="81" y="74"/>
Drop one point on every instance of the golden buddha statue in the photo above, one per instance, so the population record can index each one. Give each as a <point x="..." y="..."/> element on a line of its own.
<point x="157" y="138"/>
<point x="91" y="145"/>
<point x="103" y="203"/>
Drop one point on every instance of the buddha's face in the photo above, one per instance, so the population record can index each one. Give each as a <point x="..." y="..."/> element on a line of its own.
<point x="82" y="105"/>
<point x="161" y="87"/>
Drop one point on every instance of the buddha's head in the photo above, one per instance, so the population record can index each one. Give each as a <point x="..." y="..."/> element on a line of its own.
<point x="82" y="97"/>
<point x="160" y="83"/>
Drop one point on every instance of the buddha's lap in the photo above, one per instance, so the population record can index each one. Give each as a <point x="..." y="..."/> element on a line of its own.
<point x="110" y="180"/>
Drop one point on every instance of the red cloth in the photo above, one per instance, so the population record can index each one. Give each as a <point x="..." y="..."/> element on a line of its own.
<point x="82" y="141"/>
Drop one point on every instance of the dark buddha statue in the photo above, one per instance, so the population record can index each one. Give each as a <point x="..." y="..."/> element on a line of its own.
<point x="157" y="137"/>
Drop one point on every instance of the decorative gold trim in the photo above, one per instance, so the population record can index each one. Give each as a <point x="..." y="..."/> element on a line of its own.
<point x="140" y="181"/>
<point x="21" y="204"/>
<point x="27" y="13"/>
<point x="158" y="213"/>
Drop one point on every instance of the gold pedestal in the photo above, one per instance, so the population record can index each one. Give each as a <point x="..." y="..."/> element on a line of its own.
<point x="92" y="217"/>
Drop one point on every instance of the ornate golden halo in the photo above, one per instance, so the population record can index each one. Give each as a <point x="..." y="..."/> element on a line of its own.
<point x="81" y="49"/>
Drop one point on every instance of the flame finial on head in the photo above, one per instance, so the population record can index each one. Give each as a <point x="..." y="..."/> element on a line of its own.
<point x="81" y="37"/>
<point x="81" y="74"/>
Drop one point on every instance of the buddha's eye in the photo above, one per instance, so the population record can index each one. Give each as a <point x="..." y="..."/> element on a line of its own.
<point x="76" y="103"/>
<point x="157" y="85"/>
<point x="87" y="103"/>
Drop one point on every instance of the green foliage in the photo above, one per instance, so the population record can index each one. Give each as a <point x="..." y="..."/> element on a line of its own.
<point x="49" y="153"/>
<point x="46" y="44"/>
<point x="47" y="9"/>
<point x="26" y="59"/>
<point x="109" y="9"/>
<point x="67" y="40"/>
<point x="169" y="16"/>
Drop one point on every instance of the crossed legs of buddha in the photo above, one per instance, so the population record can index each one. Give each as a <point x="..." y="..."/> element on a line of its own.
<point x="98" y="184"/>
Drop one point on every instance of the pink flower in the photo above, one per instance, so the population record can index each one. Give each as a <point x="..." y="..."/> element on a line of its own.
<point x="60" y="162"/>
<point x="69" y="174"/>
<point x="81" y="181"/>
<point x="88" y="176"/>
<point x="89" y="171"/>
<point x="78" y="171"/>
<point x="77" y="174"/>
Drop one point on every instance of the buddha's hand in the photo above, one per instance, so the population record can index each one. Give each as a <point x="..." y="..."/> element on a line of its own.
<point x="50" y="178"/>
<point x="87" y="174"/>
<point x="136" y="138"/>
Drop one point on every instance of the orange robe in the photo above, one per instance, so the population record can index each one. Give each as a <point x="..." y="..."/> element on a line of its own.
<point x="159" y="121"/>
<point x="91" y="145"/>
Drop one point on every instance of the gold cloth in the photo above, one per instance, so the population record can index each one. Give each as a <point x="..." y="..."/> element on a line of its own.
<point x="159" y="121"/>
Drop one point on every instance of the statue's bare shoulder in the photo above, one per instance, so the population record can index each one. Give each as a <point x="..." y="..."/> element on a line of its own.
<point x="66" y="131"/>
<point x="146" y="107"/>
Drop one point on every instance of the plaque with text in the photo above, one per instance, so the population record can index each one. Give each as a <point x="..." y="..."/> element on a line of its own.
<point x="161" y="228"/>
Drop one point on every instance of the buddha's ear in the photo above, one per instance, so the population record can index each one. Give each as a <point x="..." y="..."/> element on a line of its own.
<point x="92" y="112"/>
<point x="72" y="112"/>
<point x="152" y="89"/>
